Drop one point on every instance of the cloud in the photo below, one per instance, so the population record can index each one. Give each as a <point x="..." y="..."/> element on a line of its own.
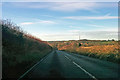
<point x="74" y="31"/>
<point x="58" y="6"/>
<point x="39" y="22"/>
<point x="47" y="22"/>
<point x="90" y="17"/>
<point x="73" y="6"/>
<point x="64" y="6"/>
<point x="26" y="23"/>
<point x="103" y="34"/>
<point x="47" y="15"/>
<point x="94" y="25"/>
<point x="60" y="0"/>
<point x="57" y="36"/>
<point x="78" y="27"/>
<point x="105" y="29"/>
<point x="74" y="35"/>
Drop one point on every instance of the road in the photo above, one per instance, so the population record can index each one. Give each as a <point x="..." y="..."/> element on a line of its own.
<point x="60" y="64"/>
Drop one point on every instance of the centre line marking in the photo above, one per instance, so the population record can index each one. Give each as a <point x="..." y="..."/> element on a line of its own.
<point x="85" y="71"/>
<point x="67" y="58"/>
<point x="82" y="69"/>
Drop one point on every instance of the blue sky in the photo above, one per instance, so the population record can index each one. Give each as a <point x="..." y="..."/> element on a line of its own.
<point x="64" y="20"/>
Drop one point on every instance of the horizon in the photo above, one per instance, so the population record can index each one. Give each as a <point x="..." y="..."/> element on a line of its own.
<point x="86" y="39"/>
<point x="62" y="21"/>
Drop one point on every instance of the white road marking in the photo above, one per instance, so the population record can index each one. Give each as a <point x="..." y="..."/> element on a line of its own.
<point x="32" y="68"/>
<point x="29" y="70"/>
<point x="68" y="58"/>
<point x="82" y="69"/>
<point x="85" y="71"/>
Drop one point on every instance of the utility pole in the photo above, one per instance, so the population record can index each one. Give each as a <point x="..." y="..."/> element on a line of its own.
<point x="79" y="35"/>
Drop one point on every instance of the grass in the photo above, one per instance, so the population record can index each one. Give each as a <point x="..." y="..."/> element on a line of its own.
<point x="104" y="50"/>
<point x="20" y="50"/>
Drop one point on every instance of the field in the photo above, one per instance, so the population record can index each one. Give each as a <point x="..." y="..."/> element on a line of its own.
<point x="101" y="49"/>
<point x="20" y="50"/>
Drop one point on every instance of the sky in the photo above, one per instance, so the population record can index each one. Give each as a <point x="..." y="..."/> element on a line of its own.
<point x="56" y="21"/>
<point x="60" y="0"/>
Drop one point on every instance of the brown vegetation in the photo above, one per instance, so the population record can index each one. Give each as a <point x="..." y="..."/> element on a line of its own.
<point x="105" y="50"/>
<point x="20" y="50"/>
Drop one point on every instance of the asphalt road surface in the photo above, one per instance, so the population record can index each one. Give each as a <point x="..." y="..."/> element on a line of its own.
<point x="59" y="64"/>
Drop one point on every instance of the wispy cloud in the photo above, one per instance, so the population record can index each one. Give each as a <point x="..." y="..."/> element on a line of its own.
<point x="61" y="6"/>
<point x="74" y="31"/>
<point x="47" y="15"/>
<point x="98" y="26"/>
<point x="39" y="22"/>
<point x="64" y="6"/>
<point x="26" y="23"/>
<point x="47" y="22"/>
<point x="78" y="27"/>
<point x="90" y="17"/>
<point x="73" y="6"/>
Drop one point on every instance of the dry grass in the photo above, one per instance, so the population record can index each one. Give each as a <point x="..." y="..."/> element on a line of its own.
<point x="107" y="50"/>
<point x="20" y="51"/>
<point x="103" y="49"/>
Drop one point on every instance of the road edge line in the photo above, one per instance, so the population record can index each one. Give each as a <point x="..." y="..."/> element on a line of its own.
<point x="32" y="67"/>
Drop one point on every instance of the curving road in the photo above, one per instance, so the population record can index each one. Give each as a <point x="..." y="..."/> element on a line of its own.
<point x="60" y="64"/>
